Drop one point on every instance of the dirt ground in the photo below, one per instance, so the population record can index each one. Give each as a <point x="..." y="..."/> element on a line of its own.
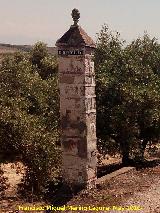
<point x="135" y="188"/>
<point x="10" y="202"/>
<point x="140" y="189"/>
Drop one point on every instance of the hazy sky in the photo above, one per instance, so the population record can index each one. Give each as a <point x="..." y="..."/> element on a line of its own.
<point x="27" y="21"/>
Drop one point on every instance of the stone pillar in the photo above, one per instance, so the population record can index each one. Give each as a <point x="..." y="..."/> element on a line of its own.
<point x="77" y="106"/>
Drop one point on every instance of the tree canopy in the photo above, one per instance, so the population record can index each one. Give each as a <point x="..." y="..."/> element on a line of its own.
<point x="128" y="103"/>
<point x="29" y="116"/>
<point x="128" y="92"/>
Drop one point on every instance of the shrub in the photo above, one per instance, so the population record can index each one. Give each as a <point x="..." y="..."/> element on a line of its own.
<point x="128" y="92"/>
<point x="29" y="113"/>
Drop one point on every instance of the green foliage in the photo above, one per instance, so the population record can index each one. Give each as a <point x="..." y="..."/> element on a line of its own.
<point x="29" y="113"/>
<point x="128" y="91"/>
<point x="45" y="64"/>
<point x="128" y="103"/>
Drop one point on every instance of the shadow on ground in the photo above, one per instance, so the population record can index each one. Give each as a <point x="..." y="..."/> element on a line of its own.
<point x="146" y="164"/>
<point x="107" y="169"/>
<point x="64" y="193"/>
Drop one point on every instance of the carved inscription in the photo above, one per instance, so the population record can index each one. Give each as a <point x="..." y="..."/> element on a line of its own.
<point x="70" y="52"/>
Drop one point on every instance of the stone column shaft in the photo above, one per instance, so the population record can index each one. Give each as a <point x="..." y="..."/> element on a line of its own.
<point x="77" y="107"/>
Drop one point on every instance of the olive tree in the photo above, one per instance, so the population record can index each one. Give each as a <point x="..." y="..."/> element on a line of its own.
<point x="128" y="93"/>
<point x="29" y="116"/>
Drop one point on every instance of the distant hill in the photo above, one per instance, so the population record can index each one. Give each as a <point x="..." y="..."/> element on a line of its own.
<point x="9" y="48"/>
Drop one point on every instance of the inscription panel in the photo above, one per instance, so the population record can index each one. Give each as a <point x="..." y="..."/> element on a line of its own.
<point x="70" y="52"/>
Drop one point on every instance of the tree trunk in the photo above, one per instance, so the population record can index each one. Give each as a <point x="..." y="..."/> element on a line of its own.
<point x="143" y="147"/>
<point x="124" y="145"/>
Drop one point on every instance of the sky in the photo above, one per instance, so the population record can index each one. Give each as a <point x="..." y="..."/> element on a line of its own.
<point x="29" y="21"/>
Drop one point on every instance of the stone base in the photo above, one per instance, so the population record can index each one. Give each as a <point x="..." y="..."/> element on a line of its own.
<point x="75" y="188"/>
